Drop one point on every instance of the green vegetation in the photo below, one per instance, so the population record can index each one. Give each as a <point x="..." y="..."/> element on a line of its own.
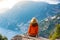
<point x="56" y="33"/>
<point x="3" y="37"/>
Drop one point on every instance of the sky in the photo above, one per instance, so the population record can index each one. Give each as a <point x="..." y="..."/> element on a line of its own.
<point x="8" y="4"/>
<point x="15" y="15"/>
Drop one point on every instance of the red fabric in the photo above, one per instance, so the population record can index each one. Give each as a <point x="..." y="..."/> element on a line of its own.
<point x="33" y="31"/>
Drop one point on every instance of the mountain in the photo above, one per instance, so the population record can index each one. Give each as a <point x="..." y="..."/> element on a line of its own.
<point x="23" y="12"/>
<point x="18" y="18"/>
<point x="48" y="25"/>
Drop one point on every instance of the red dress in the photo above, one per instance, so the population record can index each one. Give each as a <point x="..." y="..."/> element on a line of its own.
<point x="33" y="30"/>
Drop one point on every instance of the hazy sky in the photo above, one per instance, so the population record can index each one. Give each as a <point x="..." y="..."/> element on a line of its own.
<point x="8" y="4"/>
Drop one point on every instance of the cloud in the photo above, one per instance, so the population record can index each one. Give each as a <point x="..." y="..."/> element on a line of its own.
<point x="20" y="24"/>
<point x="57" y="0"/>
<point x="7" y="4"/>
<point x="53" y="17"/>
<point x="58" y="18"/>
<point x="23" y="27"/>
<point x="48" y="1"/>
<point x="3" y="10"/>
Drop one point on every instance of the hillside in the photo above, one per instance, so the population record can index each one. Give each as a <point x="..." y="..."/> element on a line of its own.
<point x="48" y="25"/>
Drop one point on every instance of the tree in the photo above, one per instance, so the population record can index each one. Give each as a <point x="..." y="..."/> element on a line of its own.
<point x="0" y="37"/>
<point x="3" y="37"/>
<point x="56" y="33"/>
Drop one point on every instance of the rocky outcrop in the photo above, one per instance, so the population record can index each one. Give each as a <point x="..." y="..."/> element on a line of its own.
<point x="25" y="37"/>
<point x="22" y="37"/>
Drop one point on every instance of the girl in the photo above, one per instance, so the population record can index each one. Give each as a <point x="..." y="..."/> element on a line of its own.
<point x="33" y="28"/>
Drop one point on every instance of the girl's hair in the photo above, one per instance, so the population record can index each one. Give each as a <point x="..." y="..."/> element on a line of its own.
<point x="34" y="24"/>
